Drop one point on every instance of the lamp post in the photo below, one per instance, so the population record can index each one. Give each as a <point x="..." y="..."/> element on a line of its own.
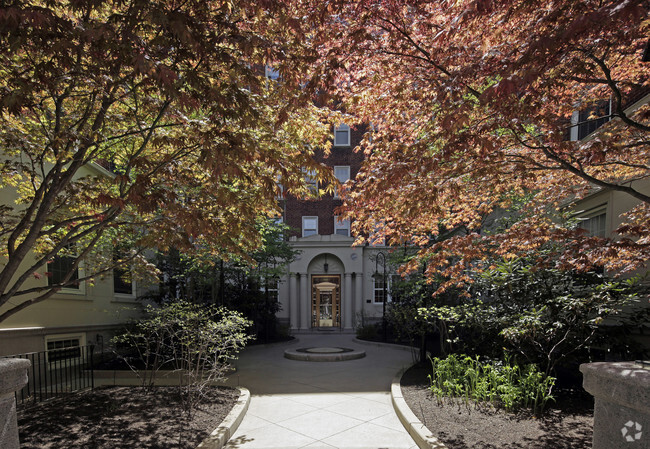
<point x="385" y="297"/>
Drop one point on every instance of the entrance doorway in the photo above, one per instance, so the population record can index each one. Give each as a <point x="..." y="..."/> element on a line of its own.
<point x="326" y="301"/>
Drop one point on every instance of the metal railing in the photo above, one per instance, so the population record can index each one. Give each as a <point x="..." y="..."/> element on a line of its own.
<point x="56" y="372"/>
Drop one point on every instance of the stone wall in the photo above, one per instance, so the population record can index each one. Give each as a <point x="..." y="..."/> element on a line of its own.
<point x="622" y="404"/>
<point x="13" y="377"/>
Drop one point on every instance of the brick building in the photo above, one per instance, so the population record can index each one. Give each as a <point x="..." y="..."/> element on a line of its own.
<point x="331" y="285"/>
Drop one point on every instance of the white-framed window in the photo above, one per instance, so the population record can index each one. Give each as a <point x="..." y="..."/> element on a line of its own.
<point x="64" y="347"/>
<point x="309" y="226"/>
<point x="342" y="135"/>
<point x="271" y="73"/>
<point x="595" y="222"/>
<point x="311" y="179"/>
<point x="342" y="173"/>
<point x="378" y="287"/>
<point x="59" y="267"/>
<point x="341" y="227"/>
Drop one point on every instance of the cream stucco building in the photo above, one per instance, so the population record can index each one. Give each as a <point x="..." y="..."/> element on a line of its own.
<point x="86" y="313"/>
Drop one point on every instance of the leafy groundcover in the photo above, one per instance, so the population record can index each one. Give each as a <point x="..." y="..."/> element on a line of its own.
<point x="122" y="417"/>
<point x="566" y="423"/>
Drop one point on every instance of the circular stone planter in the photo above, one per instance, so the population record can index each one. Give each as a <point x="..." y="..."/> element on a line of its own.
<point x="324" y="354"/>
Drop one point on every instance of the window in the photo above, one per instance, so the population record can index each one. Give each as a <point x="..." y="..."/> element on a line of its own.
<point x="588" y="120"/>
<point x="276" y="230"/>
<point x="270" y="288"/>
<point x="379" y="287"/>
<point x="377" y="238"/>
<point x="64" y="347"/>
<point x="341" y="227"/>
<point x="596" y="224"/>
<point x="60" y="267"/>
<point x="309" y="226"/>
<point x="271" y="73"/>
<point x="396" y="285"/>
<point x="311" y="180"/>
<point x="342" y="173"/>
<point x="123" y="281"/>
<point x="342" y="135"/>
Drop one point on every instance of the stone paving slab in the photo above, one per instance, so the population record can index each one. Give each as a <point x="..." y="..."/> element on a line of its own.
<point x="301" y="404"/>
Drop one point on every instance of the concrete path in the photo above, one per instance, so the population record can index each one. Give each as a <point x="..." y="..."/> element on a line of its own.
<point x="299" y="404"/>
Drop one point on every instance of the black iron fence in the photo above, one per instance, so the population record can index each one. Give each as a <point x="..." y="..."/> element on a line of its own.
<point x="56" y="372"/>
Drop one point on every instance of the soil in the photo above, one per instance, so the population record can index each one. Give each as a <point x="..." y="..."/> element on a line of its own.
<point x="566" y="424"/>
<point x="122" y="417"/>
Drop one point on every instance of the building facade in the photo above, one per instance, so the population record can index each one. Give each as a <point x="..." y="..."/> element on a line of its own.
<point x="83" y="313"/>
<point x="331" y="284"/>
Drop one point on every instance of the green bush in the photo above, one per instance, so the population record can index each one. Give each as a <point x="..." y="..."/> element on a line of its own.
<point x="368" y="332"/>
<point x="198" y="340"/>
<point x="546" y="316"/>
<point x="504" y="384"/>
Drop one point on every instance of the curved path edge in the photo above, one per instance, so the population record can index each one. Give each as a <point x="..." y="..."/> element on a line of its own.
<point x="418" y="431"/>
<point x="380" y="344"/>
<point x="220" y="436"/>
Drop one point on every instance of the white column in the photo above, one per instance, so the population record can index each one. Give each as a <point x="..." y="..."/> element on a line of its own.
<point x="359" y="300"/>
<point x="347" y="302"/>
<point x="305" y="301"/>
<point x="294" y="311"/>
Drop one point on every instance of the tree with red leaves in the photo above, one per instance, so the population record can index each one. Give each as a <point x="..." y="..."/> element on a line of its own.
<point x="471" y="103"/>
<point x="127" y="125"/>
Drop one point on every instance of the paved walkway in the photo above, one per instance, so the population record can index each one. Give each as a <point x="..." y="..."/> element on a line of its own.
<point x="298" y="404"/>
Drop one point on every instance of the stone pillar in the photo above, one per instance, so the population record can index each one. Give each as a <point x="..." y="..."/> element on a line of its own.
<point x="358" y="294"/>
<point x="294" y="311"/>
<point x="13" y="377"/>
<point x="305" y="301"/>
<point x="347" y="302"/>
<point x="622" y="404"/>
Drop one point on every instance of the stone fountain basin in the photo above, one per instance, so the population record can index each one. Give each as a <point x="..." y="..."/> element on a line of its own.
<point x="324" y="354"/>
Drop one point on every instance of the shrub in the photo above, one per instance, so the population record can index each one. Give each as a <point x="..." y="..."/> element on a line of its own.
<point x="550" y="317"/>
<point x="199" y="340"/>
<point x="504" y="384"/>
<point x="368" y="332"/>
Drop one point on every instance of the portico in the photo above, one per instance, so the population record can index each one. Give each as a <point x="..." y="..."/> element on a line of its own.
<point x="324" y="286"/>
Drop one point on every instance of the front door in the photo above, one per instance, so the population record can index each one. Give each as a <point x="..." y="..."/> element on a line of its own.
<point x="326" y="301"/>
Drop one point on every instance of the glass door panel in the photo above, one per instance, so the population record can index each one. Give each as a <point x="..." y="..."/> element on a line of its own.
<point x="325" y="309"/>
<point x="326" y="301"/>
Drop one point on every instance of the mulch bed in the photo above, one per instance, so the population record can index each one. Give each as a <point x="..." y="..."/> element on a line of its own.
<point x="566" y="424"/>
<point x="122" y="417"/>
